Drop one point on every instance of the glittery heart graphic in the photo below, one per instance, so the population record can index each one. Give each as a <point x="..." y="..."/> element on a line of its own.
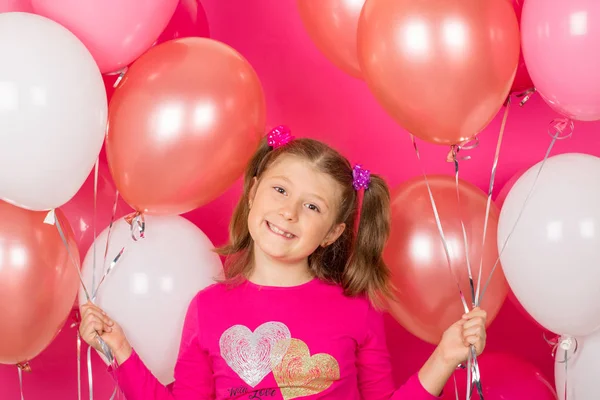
<point x="249" y="353"/>
<point x="298" y="374"/>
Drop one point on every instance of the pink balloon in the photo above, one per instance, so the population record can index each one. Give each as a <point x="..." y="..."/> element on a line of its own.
<point x="505" y="376"/>
<point x="522" y="80"/>
<point x="80" y="209"/>
<point x="560" y="42"/>
<point x="15" y="6"/>
<point x="189" y="20"/>
<point x="115" y="31"/>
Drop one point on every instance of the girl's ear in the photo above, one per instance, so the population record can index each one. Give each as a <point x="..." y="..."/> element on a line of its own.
<point x="334" y="234"/>
<point x="252" y="192"/>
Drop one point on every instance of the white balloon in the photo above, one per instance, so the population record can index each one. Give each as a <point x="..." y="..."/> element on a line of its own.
<point x="552" y="260"/>
<point x="582" y="369"/>
<point x="150" y="288"/>
<point x="53" y="112"/>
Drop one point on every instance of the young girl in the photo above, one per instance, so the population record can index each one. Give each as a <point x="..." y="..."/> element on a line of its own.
<point x="296" y="316"/>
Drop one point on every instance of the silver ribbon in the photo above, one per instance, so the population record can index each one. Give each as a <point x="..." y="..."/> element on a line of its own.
<point x="557" y="131"/>
<point x="489" y="195"/>
<point x="473" y="375"/>
<point x="52" y="220"/>
<point x="21" y="382"/>
<point x="116" y="259"/>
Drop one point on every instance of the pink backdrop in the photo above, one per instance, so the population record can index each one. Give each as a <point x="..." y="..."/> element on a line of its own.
<point x="316" y="99"/>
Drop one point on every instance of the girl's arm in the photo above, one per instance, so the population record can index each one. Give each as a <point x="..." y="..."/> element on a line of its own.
<point x="193" y="371"/>
<point x="374" y="367"/>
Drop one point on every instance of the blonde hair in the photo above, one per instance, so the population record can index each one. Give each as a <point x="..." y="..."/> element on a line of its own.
<point x="355" y="260"/>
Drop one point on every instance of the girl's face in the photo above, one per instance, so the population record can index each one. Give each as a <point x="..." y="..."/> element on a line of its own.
<point x="293" y="210"/>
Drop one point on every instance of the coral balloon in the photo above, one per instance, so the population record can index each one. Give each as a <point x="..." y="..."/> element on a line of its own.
<point x="116" y="32"/>
<point x="441" y="68"/>
<point x="505" y="377"/>
<point x="80" y="209"/>
<point x="332" y="25"/>
<point x="560" y="46"/>
<point x="189" y="20"/>
<point x="15" y="6"/>
<point x="522" y="80"/>
<point x="38" y="282"/>
<point x="428" y="298"/>
<point x="183" y="124"/>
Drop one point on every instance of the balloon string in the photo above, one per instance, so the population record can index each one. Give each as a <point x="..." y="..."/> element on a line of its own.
<point x="557" y="132"/>
<point x="473" y="373"/>
<point x="21" y="382"/>
<point x="439" y="227"/>
<point x="489" y="196"/>
<point x="455" y="386"/>
<point x="138" y="229"/>
<point x="95" y="223"/>
<point x="90" y="372"/>
<point x="75" y="324"/>
<point x="78" y="365"/>
<point x="455" y="150"/>
<point x="114" y="261"/>
<point x="473" y="376"/>
<point x="52" y="220"/>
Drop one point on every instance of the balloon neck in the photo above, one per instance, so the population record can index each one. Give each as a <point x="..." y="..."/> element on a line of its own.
<point x="137" y="222"/>
<point x="24" y="366"/>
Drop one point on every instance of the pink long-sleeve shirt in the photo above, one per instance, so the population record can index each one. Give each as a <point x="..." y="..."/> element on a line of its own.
<point x="260" y="342"/>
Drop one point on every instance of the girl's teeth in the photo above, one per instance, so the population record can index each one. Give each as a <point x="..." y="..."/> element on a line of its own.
<point x="280" y="232"/>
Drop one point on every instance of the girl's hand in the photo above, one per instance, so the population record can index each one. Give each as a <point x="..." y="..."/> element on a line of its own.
<point x="456" y="342"/>
<point x="94" y="323"/>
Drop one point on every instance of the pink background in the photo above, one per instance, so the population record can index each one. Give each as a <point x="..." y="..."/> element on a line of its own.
<point x="317" y="100"/>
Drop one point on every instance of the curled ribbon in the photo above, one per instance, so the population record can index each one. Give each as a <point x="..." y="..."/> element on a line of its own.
<point x="566" y="344"/>
<point x="525" y="95"/>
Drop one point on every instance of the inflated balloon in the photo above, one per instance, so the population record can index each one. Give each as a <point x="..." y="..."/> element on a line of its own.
<point x="522" y="80"/>
<point x="15" y="6"/>
<point x="115" y="31"/>
<point x="80" y="209"/>
<point x="551" y="259"/>
<point x="441" y="68"/>
<point x="188" y="20"/>
<point x="332" y="25"/>
<point x="428" y="300"/>
<point x="52" y="112"/>
<point x="38" y="281"/>
<point x="560" y="46"/>
<point x="183" y="124"/>
<point x="156" y="277"/>
<point x="505" y="377"/>
<point x="583" y="364"/>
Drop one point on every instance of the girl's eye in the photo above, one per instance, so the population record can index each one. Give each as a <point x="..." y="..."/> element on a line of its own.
<point x="279" y="189"/>
<point x="312" y="207"/>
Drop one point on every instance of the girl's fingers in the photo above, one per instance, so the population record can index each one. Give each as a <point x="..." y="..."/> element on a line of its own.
<point x="96" y="313"/>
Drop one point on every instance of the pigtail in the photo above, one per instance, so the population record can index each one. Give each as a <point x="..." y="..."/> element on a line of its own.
<point x="239" y="250"/>
<point x="366" y="271"/>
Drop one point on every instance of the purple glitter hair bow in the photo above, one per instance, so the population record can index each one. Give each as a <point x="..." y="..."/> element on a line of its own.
<point x="362" y="177"/>
<point x="279" y="136"/>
